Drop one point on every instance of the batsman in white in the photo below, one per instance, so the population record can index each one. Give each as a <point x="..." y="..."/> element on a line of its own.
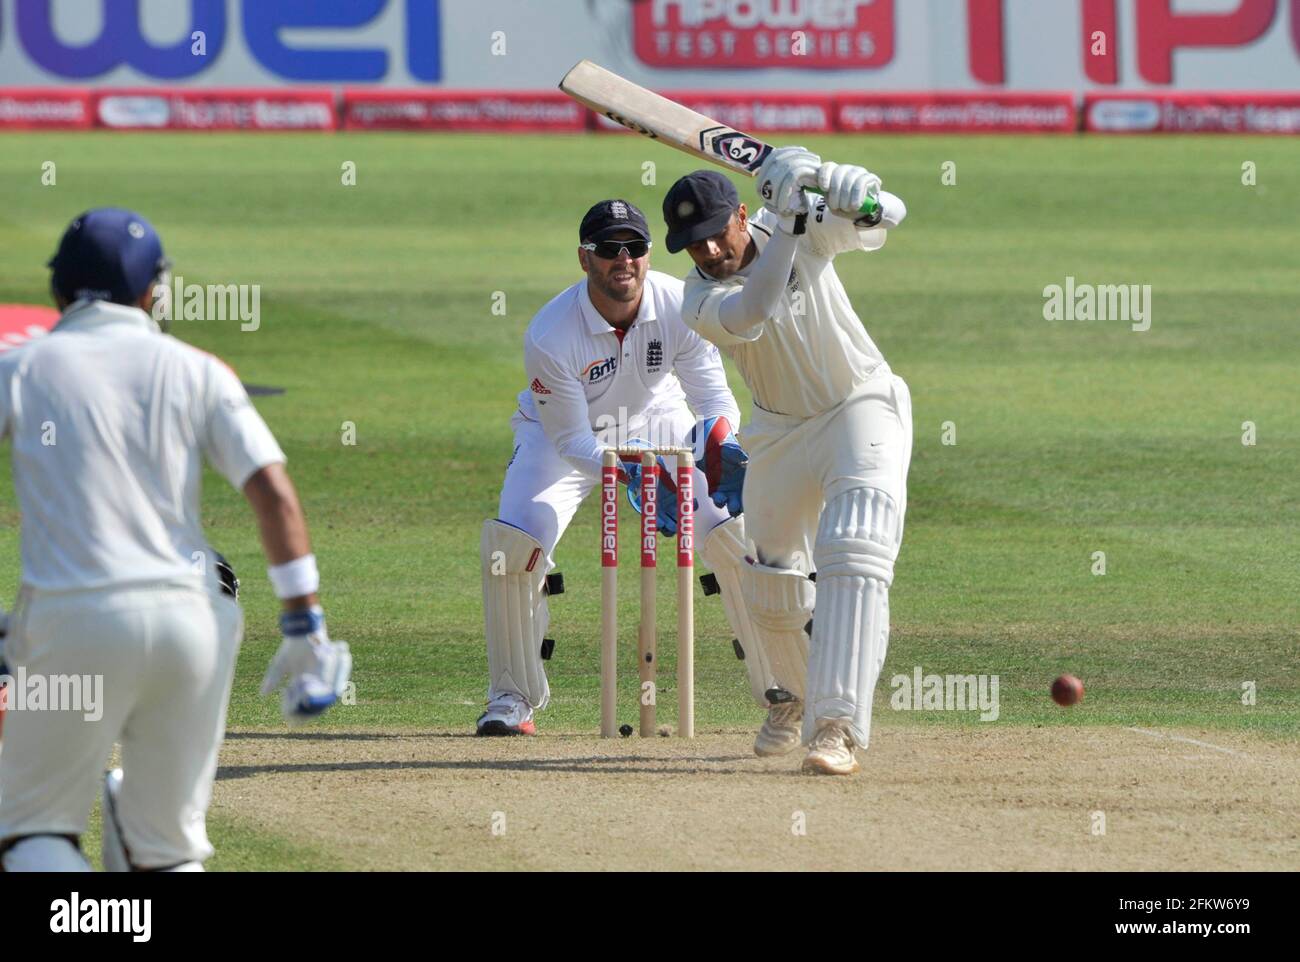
<point x="609" y="364"/>
<point x="830" y="440"/>
<point x="110" y="420"/>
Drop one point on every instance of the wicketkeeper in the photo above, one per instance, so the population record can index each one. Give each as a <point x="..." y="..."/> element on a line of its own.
<point x="110" y="421"/>
<point x="830" y="440"/>
<point x="609" y="364"/>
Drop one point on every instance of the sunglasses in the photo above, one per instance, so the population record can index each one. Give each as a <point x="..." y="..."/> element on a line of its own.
<point x="609" y="250"/>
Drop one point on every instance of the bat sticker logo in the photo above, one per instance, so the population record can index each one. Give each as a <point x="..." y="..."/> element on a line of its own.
<point x="737" y="149"/>
<point x="631" y="125"/>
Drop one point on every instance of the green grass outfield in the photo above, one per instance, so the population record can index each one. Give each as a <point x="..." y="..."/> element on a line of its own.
<point x="1072" y="437"/>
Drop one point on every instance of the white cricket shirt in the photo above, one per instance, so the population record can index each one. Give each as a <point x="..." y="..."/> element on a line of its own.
<point x="798" y="364"/>
<point x="587" y="378"/>
<point x="109" y="421"/>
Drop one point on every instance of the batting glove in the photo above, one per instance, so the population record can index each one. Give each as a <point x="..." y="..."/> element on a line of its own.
<point x="847" y="187"/>
<point x="313" y="670"/>
<point x="782" y="178"/>
<point x="722" y="460"/>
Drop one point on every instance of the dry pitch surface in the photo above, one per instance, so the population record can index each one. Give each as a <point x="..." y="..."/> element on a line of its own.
<point x="1002" y="799"/>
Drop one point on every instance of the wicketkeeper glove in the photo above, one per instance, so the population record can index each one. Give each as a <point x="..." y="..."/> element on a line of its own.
<point x="666" y="504"/>
<point x="722" y="460"/>
<point x="314" y="670"/>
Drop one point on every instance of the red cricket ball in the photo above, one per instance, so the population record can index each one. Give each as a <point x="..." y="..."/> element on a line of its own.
<point x="1067" y="690"/>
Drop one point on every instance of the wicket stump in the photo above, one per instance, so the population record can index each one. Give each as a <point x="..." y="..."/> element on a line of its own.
<point x="646" y="655"/>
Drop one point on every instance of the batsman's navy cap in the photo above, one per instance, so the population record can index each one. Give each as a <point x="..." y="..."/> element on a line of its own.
<point x="699" y="205"/>
<point x="611" y="216"/>
<point x="107" y="254"/>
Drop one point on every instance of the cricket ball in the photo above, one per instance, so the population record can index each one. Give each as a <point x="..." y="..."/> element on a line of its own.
<point x="1067" y="690"/>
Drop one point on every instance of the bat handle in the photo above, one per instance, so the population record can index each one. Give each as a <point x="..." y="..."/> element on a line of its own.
<point x="870" y="207"/>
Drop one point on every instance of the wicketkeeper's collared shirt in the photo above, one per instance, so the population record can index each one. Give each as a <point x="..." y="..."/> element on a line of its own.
<point x="590" y="385"/>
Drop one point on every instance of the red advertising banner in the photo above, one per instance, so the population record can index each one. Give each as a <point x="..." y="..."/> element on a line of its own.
<point x="726" y="34"/>
<point x="754" y="112"/>
<point x="20" y="323"/>
<point x="216" y="109"/>
<point x="372" y="109"/>
<point x="956" y="113"/>
<point x="1192" y="113"/>
<point x="42" y="108"/>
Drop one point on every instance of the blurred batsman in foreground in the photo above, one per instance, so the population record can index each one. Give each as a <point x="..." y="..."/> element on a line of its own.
<point x="609" y="364"/>
<point x="110" y="421"/>
<point x="830" y="440"/>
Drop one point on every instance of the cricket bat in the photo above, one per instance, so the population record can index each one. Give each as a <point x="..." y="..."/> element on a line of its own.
<point x="669" y="122"/>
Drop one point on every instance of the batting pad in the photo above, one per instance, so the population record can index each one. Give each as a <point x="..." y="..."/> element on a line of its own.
<point x="514" y="611"/>
<point x="857" y="542"/>
<point x="723" y="550"/>
<point x="780" y="603"/>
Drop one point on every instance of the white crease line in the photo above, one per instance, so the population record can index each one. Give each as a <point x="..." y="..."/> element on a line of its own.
<point x="1189" y="741"/>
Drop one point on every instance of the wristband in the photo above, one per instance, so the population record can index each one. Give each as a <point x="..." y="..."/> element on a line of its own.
<point x="793" y="224"/>
<point x="296" y="578"/>
<point x="309" y="621"/>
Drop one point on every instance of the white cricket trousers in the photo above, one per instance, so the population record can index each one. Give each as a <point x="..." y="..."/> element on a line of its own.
<point x="167" y="656"/>
<point x="799" y="465"/>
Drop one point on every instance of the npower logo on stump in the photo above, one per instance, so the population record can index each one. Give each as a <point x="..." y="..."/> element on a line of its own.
<point x="816" y="34"/>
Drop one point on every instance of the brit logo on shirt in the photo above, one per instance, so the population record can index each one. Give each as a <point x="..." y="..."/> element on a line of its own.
<point x="654" y="355"/>
<point x="599" y="370"/>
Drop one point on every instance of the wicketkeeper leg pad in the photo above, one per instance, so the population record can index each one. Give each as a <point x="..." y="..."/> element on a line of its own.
<point x="723" y="550"/>
<point x="780" y="603"/>
<point x="514" y="611"/>
<point x="857" y="542"/>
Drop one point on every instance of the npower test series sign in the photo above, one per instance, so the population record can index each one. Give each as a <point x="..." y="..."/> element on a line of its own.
<point x="763" y="33"/>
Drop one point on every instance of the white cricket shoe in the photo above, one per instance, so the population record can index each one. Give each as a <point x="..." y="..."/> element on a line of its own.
<point x="507" y="714"/>
<point x="781" y="732"/>
<point x="831" y="751"/>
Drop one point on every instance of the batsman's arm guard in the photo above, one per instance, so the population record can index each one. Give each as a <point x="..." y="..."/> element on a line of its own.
<point x="745" y="310"/>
